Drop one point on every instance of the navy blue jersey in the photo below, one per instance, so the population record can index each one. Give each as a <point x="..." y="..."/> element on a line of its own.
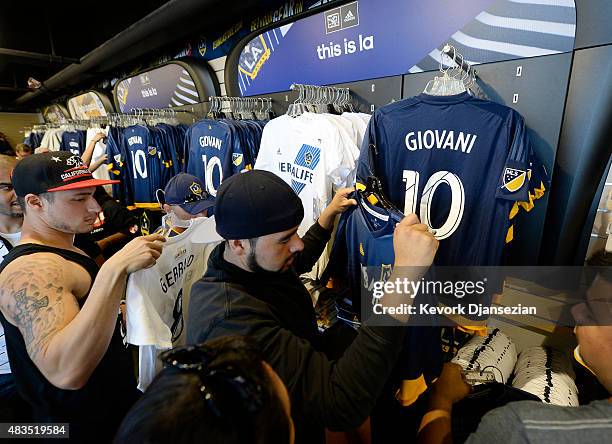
<point x="213" y="152"/>
<point x="363" y="254"/>
<point x="144" y="165"/>
<point x="73" y="141"/>
<point x="117" y="166"/>
<point x="459" y="163"/>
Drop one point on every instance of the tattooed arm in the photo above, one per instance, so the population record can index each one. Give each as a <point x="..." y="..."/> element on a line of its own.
<point x="39" y="296"/>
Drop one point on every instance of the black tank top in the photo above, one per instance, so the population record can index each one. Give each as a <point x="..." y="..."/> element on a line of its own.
<point x="95" y="411"/>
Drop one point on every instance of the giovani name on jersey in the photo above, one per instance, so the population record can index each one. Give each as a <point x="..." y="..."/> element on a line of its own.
<point x="440" y="139"/>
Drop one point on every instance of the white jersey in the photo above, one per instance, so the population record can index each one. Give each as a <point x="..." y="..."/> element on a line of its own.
<point x="315" y="154"/>
<point x="99" y="151"/>
<point x="308" y="152"/>
<point x="52" y="139"/>
<point x="12" y="238"/>
<point x="156" y="298"/>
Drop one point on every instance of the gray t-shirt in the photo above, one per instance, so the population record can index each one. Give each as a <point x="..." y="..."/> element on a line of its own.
<point x="536" y="422"/>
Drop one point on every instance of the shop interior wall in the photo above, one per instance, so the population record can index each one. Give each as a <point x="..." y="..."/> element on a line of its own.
<point x="585" y="145"/>
<point x="13" y="124"/>
<point x="541" y="94"/>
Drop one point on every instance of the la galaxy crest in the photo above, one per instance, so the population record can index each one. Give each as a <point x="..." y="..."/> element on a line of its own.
<point x="196" y="189"/>
<point x="253" y="57"/>
<point x="308" y="158"/>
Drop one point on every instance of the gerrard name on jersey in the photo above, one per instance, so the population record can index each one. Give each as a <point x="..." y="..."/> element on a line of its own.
<point x="170" y="278"/>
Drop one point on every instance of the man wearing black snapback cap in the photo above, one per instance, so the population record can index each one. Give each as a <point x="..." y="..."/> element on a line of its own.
<point x="252" y="287"/>
<point x="59" y="311"/>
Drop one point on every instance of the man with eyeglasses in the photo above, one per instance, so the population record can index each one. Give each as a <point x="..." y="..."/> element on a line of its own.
<point x="252" y="287"/>
<point x="11" y="219"/>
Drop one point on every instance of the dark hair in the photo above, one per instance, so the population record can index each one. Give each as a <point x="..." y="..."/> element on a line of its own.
<point x="176" y="407"/>
<point x="22" y="147"/>
<point x="48" y="197"/>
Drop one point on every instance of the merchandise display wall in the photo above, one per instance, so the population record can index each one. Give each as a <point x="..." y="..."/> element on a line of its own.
<point x="547" y="91"/>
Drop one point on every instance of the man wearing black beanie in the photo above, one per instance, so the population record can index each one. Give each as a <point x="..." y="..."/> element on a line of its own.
<point x="252" y="287"/>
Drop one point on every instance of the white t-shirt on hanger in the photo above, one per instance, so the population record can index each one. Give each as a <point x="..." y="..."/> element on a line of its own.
<point x="308" y="152"/>
<point x="157" y="298"/>
<point x="99" y="151"/>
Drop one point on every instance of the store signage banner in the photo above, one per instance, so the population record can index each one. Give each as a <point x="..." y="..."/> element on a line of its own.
<point x="167" y="86"/>
<point x="54" y="114"/>
<point x="86" y="106"/>
<point x="364" y="40"/>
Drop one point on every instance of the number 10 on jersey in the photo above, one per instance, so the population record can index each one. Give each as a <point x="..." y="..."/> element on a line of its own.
<point x="455" y="214"/>
<point x="209" y="166"/>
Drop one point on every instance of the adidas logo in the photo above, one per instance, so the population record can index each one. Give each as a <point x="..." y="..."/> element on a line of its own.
<point x="349" y="16"/>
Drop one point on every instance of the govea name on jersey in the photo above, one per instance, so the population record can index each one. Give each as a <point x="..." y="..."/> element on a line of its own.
<point x="214" y="153"/>
<point x="144" y="164"/>
<point x="457" y="162"/>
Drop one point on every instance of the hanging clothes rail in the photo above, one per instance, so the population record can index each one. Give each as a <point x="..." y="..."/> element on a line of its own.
<point x="242" y="107"/>
<point x="316" y="98"/>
